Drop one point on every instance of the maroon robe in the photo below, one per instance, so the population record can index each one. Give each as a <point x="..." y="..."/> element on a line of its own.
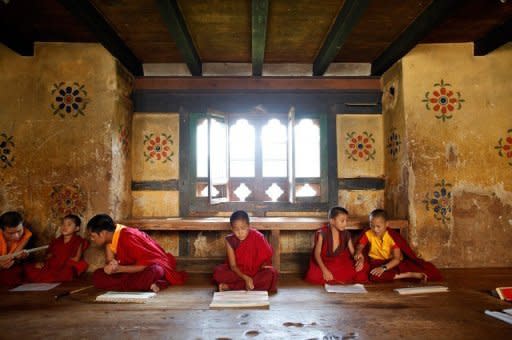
<point x="338" y="261"/>
<point x="59" y="267"/>
<point x="251" y="255"/>
<point x="410" y="263"/>
<point x="136" y="248"/>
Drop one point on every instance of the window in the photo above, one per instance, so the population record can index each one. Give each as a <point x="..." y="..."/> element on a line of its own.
<point x="273" y="161"/>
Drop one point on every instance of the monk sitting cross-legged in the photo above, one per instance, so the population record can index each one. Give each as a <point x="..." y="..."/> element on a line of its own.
<point x="64" y="256"/>
<point x="134" y="261"/>
<point x="249" y="259"/>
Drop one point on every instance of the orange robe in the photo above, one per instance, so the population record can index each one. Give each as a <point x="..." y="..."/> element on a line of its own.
<point x="14" y="275"/>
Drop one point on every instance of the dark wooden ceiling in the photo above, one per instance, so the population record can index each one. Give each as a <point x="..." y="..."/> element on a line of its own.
<point x="316" y="32"/>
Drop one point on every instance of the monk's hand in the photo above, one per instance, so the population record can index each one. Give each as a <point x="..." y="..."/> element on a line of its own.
<point x="39" y="265"/>
<point x="23" y="255"/>
<point x="249" y="284"/>
<point x="327" y="275"/>
<point x="359" y="264"/>
<point x="111" y="267"/>
<point x="377" y="271"/>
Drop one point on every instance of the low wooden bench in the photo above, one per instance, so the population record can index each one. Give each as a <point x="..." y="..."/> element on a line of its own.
<point x="274" y="224"/>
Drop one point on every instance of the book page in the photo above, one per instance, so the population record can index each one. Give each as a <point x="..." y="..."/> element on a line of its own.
<point x="346" y="289"/>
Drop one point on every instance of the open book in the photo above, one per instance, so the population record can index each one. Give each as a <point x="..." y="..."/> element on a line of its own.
<point x="506" y="316"/>
<point x="346" y="289"/>
<point x="421" y="290"/>
<point x="504" y="293"/>
<point x="240" y="299"/>
<point x="125" y="297"/>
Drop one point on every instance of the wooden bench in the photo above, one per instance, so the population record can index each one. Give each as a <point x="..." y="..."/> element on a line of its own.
<point x="274" y="224"/>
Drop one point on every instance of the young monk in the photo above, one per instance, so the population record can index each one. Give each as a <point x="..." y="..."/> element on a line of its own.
<point x="134" y="261"/>
<point x="249" y="259"/>
<point x="64" y="256"/>
<point x="331" y="261"/>
<point x="390" y="257"/>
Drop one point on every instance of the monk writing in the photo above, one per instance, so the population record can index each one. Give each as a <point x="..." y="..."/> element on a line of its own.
<point x="13" y="238"/>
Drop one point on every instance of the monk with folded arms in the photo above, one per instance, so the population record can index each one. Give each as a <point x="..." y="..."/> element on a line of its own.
<point x="14" y="237"/>
<point x="134" y="261"/>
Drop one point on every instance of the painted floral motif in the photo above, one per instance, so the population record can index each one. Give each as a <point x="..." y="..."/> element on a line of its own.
<point x="123" y="138"/>
<point x="504" y="147"/>
<point x="6" y="154"/>
<point x="393" y="144"/>
<point x="360" y="146"/>
<point x="67" y="199"/>
<point x="69" y="99"/>
<point x="440" y="202"/>
<point x="158" y="147"/>
<point x="443" y="100"/>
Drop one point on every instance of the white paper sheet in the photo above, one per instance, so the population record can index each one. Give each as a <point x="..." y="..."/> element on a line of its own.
<point x="421" y="290"/>
<point x="346" y="289"/>
<point x="35" y="287"/>
<point x="500" y="316"/>
<point x="125" y="297"/>
<point x="240" y="299"/>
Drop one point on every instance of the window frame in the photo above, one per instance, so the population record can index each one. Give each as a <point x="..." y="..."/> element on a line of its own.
<point x="201" y="206"/>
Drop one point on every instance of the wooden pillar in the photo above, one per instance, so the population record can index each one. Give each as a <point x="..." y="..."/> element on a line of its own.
<point x="276" y="246"/>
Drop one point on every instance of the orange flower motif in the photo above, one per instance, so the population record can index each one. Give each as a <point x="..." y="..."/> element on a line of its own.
<point x="443" y="100"/>
<point x="360" y="146"/>
<point x="158" y="148"/>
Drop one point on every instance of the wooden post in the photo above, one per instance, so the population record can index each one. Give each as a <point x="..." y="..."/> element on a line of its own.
<point x="275" y="241"/>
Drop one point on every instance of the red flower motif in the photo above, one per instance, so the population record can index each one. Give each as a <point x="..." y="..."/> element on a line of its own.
<point x="504" y="147"/>
<point x="158" y="147"/>
<point x="360" y="146"/>
<point x="443" y="100"/>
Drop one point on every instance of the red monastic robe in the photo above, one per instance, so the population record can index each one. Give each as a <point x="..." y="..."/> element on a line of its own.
<point x="410" y="263"/>
<point x="14" y="275"/>
<point x="135" y="247"/>
<point x="338" y="261"/>
<point x="59" y="267"/>
<point x="251" y="255"/>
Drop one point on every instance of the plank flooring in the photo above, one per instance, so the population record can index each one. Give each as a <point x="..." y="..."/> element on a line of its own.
<point x="297" y="311"/>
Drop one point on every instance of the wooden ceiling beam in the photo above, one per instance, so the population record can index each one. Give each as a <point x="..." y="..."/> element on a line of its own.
<point x="106" y="35"/>
<point x="15" y="42"/>
<point x="431" y="17"/>
<point x="347" y="18"/>
<point x="259" y="35"/>
<point x="495" y="38"/>
<point x="175" y="23"/>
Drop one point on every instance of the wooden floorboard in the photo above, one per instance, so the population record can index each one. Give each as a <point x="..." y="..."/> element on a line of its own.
<point x="298" y="310"/>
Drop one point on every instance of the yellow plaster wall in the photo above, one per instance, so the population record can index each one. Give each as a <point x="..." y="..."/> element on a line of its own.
<point x="359" y="130"/>
<point x="63" y="162"/>
<point x="155" y="203"/>
<point x="454" y="163"/>
<point x="361" y="202"/>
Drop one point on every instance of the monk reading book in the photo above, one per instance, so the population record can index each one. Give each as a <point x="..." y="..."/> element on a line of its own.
<point x="249" y="259"/>
<point x="14" y="237"/>
<point x="331" y="261"/>
<point x="64" y="256"/>
<point x="389" y="257"/>
<point x="134" y="261"/>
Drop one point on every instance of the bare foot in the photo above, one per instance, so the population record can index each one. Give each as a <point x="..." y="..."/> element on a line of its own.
<point x="154" y="287"/>
<point x="223" y="287"/>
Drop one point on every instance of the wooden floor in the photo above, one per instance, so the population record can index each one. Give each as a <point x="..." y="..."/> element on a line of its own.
<point x="298" y="311"/>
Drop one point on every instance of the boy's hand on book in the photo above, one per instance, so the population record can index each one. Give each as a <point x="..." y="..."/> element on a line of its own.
<point x="327" y="275"/>
<point x="24" y="254"/>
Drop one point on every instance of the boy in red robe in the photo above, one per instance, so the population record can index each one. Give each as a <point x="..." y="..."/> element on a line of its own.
<point x="390" y="257"/>
<point x="249" y="259"/>
<point x="134" y="261"/>
<point x="13" y="238"/>
<point x="331" y="261"/>
<point x="64" y="256"/>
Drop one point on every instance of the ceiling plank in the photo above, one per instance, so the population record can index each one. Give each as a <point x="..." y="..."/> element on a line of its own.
<point x="347" y="18"/>
<point x="431" y="17"/>
<point x="495" y="38"/>
<point x="259" y="35"/>
<point x="175" y="23"/>
<point x="106" y="35"/>
<point x="18" y="44"/>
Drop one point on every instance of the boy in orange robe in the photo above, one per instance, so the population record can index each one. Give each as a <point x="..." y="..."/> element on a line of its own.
<point x="249" y="259"/>
<point x="13" y="238"/>
<point x="331" y="261"/>
<point x="134" y="261"/>
<point x="64" y="256"/>
<point x="390" y="257"/>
